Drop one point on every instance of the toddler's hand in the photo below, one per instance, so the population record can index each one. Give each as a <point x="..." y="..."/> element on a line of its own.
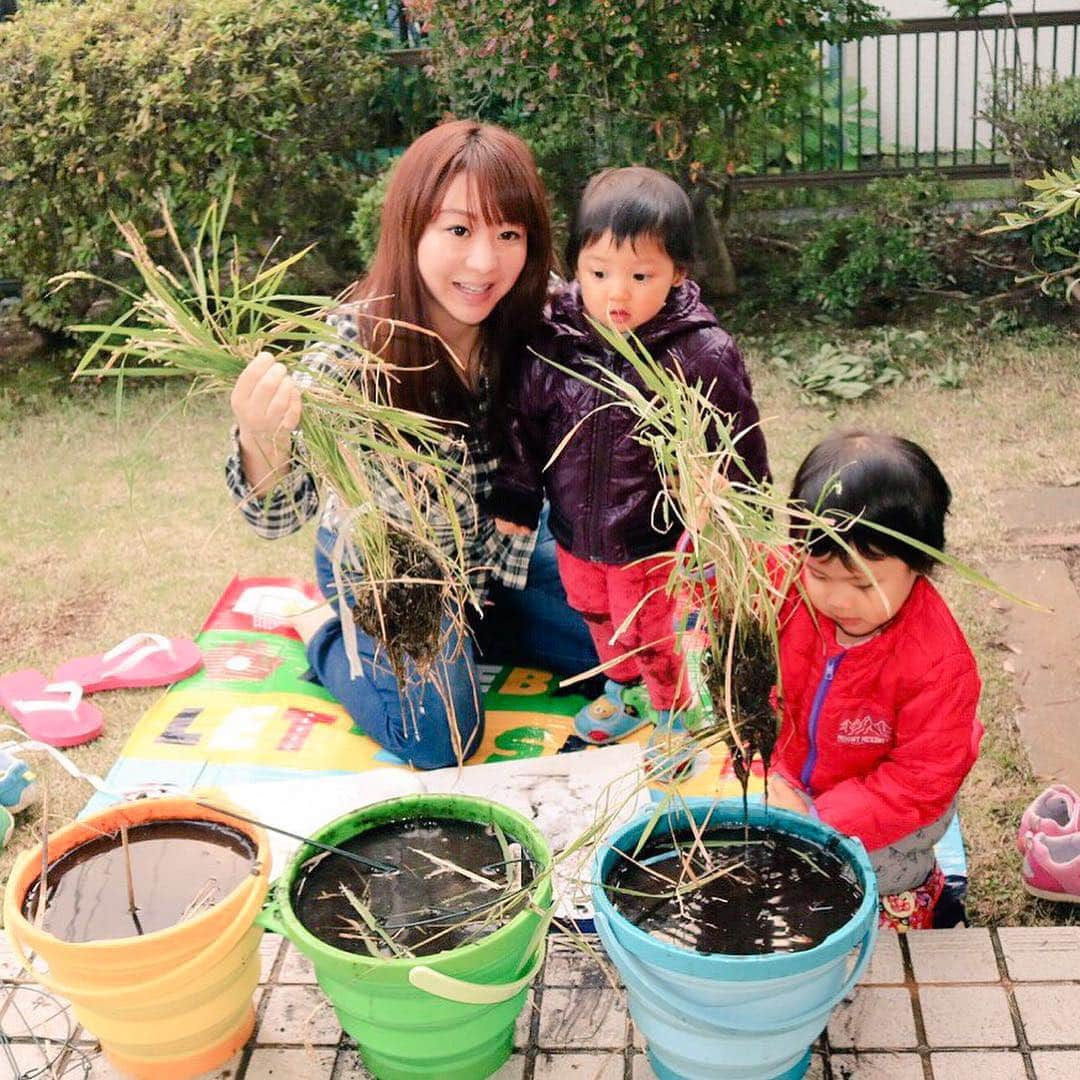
<point x="784" y="797"/>
<point x="266" y="403"/>
<point x="508" y="528"/>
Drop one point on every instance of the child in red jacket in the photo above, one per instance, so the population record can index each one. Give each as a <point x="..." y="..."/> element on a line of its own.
<point x="879" y="687"/>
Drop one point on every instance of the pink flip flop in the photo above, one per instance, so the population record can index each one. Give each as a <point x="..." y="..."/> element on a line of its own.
<point x="52" y="713"/>
<point x="141" y="660"/>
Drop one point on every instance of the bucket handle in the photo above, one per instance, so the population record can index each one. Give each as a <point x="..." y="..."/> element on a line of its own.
<point x="269" y="916"/>
<point x="709" y="1019"/>
<point x="469" y="993"/>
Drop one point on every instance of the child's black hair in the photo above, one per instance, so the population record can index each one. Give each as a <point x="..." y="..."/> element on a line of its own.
<point x="887" y="480"/>
<point x="632" y="203"/>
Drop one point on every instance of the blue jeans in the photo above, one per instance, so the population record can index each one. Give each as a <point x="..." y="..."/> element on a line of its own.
<point x="532" y="627"/>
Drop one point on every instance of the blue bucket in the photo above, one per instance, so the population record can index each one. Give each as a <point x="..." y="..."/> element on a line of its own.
<point x="712" y="1016"/>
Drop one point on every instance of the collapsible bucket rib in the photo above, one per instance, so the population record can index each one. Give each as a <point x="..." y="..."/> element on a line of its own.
<point x="170" y="1004"/>
<point x="720" y="1017"/>
<point x="449" y="1015"/>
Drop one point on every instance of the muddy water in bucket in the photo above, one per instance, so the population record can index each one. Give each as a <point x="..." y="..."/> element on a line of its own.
<point x="448" y="877"/>
<point x="177" y="869"/>
<point x="763" y="893"/>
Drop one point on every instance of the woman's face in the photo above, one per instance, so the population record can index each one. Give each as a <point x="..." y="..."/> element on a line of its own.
<point x="467" y="265"/>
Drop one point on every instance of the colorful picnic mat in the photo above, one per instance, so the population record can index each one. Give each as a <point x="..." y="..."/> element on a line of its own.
<point x="252" y="715"/>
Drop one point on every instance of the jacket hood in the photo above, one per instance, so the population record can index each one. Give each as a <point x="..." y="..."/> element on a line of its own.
<point x="683" y="311"/>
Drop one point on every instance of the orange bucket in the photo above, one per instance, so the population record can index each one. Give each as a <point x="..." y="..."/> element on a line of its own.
<point x="170" y="1004"/>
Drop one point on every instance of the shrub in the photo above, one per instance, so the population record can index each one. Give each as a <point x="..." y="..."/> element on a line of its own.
<point x="870" y="262"/>
<point x="107" y="102"/>
<point x="364" y="230"/>
<point x="1042" y="129"/>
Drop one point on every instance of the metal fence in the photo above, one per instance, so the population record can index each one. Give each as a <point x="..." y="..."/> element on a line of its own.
<point x="917" y="97"/>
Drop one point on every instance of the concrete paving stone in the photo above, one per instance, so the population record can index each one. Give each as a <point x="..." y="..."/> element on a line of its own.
<point x="569" y="964"/>
<point x="304" y="1064"/>
<point x="1041" y="953"/>
<point x="10" y="968"/>
<point x="1049" y="1013"/>
<point x="33" y="1059"/>
<point x="875" y="1067"/>
<point x="1037" y="509"/>
<point x="296" y="968"/>
<point x="583" y="1066"/>
<point x="269" y="948"/>
<point x="350" y="1066"/>
<point x="641" y="1068"/>
<point x="959" y="955"/>
<point x="27" y="1011"/>
<point x="976" y="1016"/>
<point x="514" y="1069"/>
<point x="986" y="1065"/>
<point x="887" y="964"/>
<point x="298" y="1014"/>
<point x="523" y="1024"/>
<point x="877" y="1018"/>
<point x="637" y="1040"/>
<point x="588" y="1018"/>
<point x="1056" y="1064"/>
<point x="1044" y="661"/>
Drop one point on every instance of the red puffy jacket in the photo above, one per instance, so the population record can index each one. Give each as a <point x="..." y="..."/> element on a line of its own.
<point x="881" y="735"/>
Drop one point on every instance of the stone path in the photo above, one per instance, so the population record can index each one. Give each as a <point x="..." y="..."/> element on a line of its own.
<point x="1045" y="648"/>
<point x="937" y="1005"/>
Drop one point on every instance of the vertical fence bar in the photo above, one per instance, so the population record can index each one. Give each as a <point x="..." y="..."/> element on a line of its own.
<point x="877" y="100"/>
<point x="1053" y="49"/>
<point x="840" y="107"/>
<point x="858" y="105"/>
<point x="955" y="97"/>
<point x="897" y="146"/>
<point x="994" y="99"/>
<point x="937" y="93"/>
<point x="1035" y="54"/>
<point x="1073" y="71"/>
<point x="918" y="101"/>
<point x="821" y="107"/>
<point x="976" y="41"/>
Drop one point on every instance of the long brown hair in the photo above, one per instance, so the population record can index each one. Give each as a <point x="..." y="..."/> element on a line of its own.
<point x="503" y="174"/>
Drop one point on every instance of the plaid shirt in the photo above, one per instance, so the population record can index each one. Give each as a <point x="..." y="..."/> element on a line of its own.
<point x="296" y="498"/>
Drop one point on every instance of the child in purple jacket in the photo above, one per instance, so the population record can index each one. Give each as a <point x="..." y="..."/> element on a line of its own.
<point x="630" y="249"/>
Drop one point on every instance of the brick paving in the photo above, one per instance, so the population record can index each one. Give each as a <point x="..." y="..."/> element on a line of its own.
<point x="970" y="1004"/>
<point x="945" y="1004"/>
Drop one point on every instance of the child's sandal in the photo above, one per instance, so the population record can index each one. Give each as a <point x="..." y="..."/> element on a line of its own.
<point x="611" y="716"/>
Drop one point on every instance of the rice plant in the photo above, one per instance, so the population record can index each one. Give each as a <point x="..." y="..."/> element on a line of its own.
<point x="207" y="322"/>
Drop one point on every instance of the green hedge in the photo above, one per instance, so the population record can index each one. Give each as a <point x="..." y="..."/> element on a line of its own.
<point x="107" y="102"/>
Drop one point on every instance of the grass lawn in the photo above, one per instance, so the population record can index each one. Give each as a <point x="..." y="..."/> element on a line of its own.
<point x="112" y="528"/>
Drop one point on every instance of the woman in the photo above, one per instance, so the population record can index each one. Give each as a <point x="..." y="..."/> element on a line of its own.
<point x="465" y="251"/>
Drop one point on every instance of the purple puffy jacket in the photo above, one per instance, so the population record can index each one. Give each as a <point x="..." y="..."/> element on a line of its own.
<point x="604" y="483"/>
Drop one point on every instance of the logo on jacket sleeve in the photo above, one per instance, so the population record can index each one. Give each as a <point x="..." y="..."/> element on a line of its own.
<point x="864" y="731"/>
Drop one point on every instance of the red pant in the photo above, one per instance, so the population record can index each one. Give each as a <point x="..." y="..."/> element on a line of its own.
<point x="606" y="595"/>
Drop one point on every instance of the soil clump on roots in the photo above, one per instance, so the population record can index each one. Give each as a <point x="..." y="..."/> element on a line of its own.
<point x="753" y="677"/>
<point x="404" y="613"/>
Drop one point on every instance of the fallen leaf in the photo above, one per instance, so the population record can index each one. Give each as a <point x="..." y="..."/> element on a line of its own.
<point x="1009" y="666"/>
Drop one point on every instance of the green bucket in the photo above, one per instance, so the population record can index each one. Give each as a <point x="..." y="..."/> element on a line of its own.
<point x="451" y="1014"/>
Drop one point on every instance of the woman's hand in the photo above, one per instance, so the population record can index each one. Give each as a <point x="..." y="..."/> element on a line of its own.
<point x="266" y="404"/>
<point x="508" y="528"/>
<point x="785" y="797"/>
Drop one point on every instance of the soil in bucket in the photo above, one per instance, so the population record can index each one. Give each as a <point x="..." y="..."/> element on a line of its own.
<point x="178" y="868"/>
<point x="740" y="892"/>
<point x="452" y="882"/>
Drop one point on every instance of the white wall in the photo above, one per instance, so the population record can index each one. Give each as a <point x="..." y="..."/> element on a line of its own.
<point x="963" y="71"/>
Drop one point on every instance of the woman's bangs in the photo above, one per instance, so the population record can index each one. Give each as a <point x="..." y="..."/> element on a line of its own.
<point x="504" y="193"/>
